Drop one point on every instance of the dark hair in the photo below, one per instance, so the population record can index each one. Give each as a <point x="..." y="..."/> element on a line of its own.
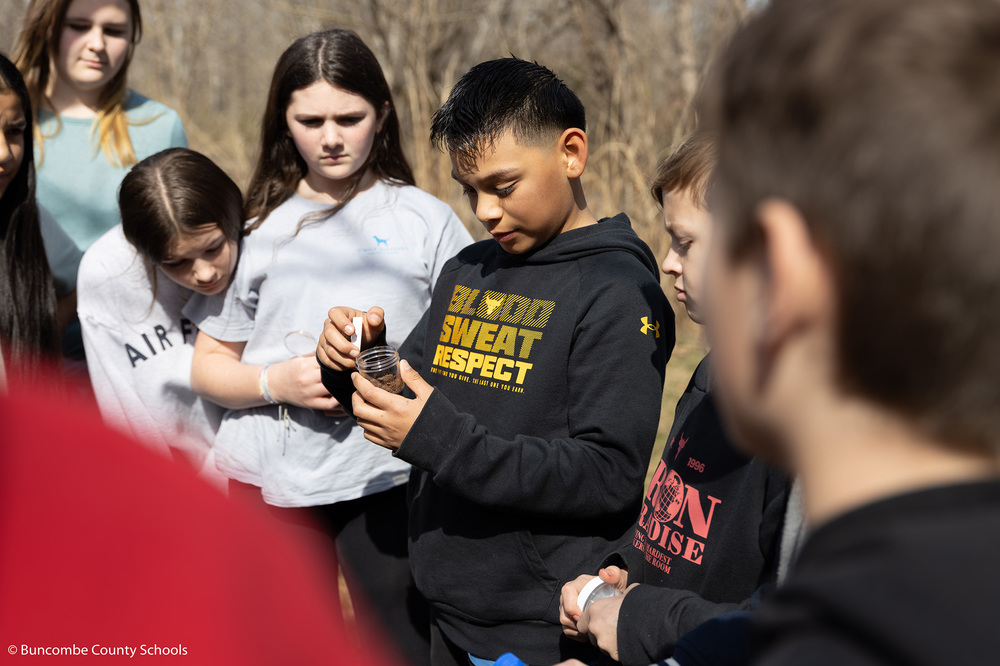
<point x="340" y="58"/>
<point x="28" y="329"/>
<point x="497" y="96"/>
<point x="878" y="120"/>
<point x="687" y="169"/>
<point x="38" y="44"/>
<point x="174" y="193"/>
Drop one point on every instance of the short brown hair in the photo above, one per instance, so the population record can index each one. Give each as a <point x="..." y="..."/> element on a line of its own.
<point x="687" y="169"/>
<point x="878" y="120"/>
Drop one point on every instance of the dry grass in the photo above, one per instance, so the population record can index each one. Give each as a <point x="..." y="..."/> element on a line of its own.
<point x="634" y="63"/>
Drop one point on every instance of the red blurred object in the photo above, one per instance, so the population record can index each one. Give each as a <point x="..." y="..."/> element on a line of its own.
<point x="104" y="543"/>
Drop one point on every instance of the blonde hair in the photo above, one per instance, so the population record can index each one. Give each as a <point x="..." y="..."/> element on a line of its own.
<point x="38" y="44"/>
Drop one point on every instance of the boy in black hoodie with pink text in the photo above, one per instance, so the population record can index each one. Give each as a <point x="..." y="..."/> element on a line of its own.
<point x="707" y="536"/>
<point x="541" y="357"/>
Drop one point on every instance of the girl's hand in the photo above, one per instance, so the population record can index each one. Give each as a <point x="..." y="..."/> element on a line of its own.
<point x="335" y="349"/>
<point x="297" y="382"/>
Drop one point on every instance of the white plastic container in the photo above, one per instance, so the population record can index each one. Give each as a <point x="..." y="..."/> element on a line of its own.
<point x="595" y="589"/>
<point x="380" y="366"/>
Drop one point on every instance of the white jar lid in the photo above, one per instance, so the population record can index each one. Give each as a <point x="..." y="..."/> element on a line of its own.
<point x="588" y="590"/>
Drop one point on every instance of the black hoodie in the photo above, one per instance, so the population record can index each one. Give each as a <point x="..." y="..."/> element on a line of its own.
<point x="707" y="536"/>
<point x="910" y="579"/>
<point x="529" y="457"/>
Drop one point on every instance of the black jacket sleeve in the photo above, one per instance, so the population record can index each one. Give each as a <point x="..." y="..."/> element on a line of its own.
<point x="652" y="619"/>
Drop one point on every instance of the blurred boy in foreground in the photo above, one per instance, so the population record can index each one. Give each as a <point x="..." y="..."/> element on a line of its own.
<point x="854" y="296"/>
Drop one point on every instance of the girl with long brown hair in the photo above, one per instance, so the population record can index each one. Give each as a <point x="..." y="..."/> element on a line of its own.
<point x="28" y="334"/>
<point x="334" y="217"/>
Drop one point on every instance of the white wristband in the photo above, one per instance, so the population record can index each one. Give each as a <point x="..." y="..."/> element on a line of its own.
<point x="262" y="385"/>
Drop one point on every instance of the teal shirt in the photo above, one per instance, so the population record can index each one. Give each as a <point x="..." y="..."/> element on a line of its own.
<point x="77" y="183"/>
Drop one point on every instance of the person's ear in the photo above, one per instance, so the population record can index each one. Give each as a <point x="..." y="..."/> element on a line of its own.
<point x="383" y="115"/>
<point x="574" y="148"/>
<point x="798" y="280"/>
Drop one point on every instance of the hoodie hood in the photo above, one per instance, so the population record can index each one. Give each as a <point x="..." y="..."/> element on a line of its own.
<point x="609" y="234"/>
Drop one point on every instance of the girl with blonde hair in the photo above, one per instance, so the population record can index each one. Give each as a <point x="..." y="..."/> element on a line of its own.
<point x="90" y="128"/>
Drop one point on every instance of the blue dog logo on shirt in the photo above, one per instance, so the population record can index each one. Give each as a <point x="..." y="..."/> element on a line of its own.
<point x="382" y="246"/>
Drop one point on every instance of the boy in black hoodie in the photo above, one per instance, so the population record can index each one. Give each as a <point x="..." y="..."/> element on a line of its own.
<point x="707" y="536"/>
<point x="855" y="315"/>
<point x="542" y="358"/>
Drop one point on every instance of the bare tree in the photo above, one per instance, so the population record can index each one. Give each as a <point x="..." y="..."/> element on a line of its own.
<point x="636" y="64"/>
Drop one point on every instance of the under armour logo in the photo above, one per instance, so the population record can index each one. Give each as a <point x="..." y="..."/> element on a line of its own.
<point x="647" y="327"/>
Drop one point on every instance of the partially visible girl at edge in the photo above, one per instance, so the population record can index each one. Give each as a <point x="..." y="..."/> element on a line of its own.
<point x="28" y="332"/>
<point x="182" y="218"/>
<point x="335" y="215"/>
<point x="90" y="128"/>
